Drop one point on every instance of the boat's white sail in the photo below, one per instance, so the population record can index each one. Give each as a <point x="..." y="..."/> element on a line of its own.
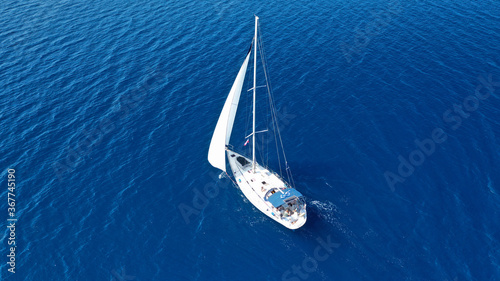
<point x="222" y="133"/>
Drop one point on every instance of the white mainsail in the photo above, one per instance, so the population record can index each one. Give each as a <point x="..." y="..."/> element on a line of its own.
<point x="222" y="132"/>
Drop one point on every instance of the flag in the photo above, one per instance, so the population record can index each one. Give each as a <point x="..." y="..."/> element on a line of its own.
<point x="248" y="140"/>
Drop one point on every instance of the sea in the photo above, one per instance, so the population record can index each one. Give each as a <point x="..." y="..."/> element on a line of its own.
<point x="388" y="111"/>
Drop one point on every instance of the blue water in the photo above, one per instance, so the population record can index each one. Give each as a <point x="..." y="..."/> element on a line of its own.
<point x="108" y="108"/>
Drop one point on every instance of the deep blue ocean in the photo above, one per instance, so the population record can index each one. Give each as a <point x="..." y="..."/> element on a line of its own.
<point x="388" y="109"/>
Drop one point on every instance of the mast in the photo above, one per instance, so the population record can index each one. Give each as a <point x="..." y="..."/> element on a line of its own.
<point x="254" y="86"/>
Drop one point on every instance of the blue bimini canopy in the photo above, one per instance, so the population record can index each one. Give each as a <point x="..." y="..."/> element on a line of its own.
<point x="288" y="195"/>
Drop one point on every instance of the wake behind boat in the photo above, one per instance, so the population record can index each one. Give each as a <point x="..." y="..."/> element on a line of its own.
<point x="265" y="189"/>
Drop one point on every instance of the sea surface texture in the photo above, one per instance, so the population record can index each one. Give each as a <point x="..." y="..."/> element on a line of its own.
<point x="389" y="113"/>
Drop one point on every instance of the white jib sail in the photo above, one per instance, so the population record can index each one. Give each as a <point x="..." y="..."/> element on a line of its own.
<point x="222" y="132"/>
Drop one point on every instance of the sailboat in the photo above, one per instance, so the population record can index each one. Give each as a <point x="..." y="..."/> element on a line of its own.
<point x="268" y="191"/>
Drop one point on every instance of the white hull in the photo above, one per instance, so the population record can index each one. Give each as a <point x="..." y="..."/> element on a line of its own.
<point x="255" y="186"/>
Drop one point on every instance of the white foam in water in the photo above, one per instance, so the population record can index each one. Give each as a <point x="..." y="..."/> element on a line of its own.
<point x="329" y="212"/>
<point x="326" y="210"/>
<point x="490" y="186"/>
<point x="324" y="206"/>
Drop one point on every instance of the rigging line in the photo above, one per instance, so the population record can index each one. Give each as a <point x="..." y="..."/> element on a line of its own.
<point x="261" y="155"/>
<point x="258" y="145"/>
<point x="273" y="109"/>
<point x="267" y="107"/>
<point x="234" y="182"/>
<point x="265" y="138"/>
<point x="251" y="89"/>
<point x="275" y="128"/>
<point x="248" y="105"/>
<point x="263" y="146"/>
